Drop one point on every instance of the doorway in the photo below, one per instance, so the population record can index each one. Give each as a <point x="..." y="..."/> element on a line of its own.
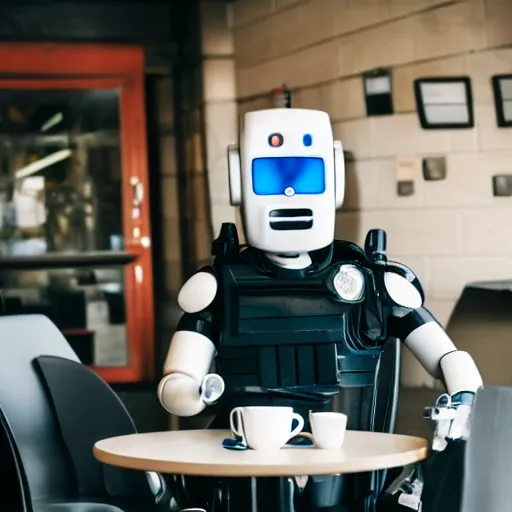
<point x="75" y="233"/>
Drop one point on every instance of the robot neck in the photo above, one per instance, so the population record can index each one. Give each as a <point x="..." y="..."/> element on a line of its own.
<point x="297" y="261"/>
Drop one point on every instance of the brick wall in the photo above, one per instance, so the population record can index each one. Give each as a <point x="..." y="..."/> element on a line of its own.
<point x="168" y="186"/>
<point x="220" y="107"/>
<point x="450" y="232"/>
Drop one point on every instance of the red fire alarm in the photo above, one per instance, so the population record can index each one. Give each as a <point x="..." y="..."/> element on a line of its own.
<point x="282" y="97"/>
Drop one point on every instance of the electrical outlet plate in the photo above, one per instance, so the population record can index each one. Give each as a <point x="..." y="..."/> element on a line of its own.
<point x="407" y="167"/>
<point x="434" y="168"/>
<point x="502" y="185"/>
<point x="405" y="188"/>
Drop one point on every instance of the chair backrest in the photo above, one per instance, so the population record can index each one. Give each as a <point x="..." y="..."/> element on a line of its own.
<point x="26" y="408"/>
<point x="387" y="387"/>
<point x="385" y="394"/>
<point x="488" y="462"/>
<point x="53" y="410"/>
<point x="88" y="411"/>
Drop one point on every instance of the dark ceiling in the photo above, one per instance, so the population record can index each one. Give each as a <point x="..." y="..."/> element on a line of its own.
<point x="144" y="21"/>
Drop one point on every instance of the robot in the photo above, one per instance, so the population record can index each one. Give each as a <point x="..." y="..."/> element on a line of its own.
<point x="296" y="317"/>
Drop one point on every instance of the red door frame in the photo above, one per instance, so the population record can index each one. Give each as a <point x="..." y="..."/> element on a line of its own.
<point x="92" y="66"/>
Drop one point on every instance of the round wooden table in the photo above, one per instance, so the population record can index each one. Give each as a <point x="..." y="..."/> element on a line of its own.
<point x="200" y="453"/>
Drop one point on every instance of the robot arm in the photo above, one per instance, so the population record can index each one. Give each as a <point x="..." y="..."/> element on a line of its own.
<point x="410" y="322"/>
<point x="430" y="344"/>
<point x="433" y="348"/>
<point x="187" y="388"/>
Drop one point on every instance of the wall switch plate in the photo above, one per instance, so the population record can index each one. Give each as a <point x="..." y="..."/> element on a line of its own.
<point x="502" y="185"/>
<point x="405" y="188"/>
<point x="407" y="167"/>
<point x="434" y="168"/>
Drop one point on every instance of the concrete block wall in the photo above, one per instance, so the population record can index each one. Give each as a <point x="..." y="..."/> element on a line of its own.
<point x="220" y="106"/>
<point x="168" y="185"/>
<point x="450" y="232"/>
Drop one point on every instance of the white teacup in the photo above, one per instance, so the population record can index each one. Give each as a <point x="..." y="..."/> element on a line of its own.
<point x="265" y="428"/>
<point x="328" y="429"/>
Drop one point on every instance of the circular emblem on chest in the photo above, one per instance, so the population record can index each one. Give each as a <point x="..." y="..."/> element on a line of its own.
<point x="348" y="283"/>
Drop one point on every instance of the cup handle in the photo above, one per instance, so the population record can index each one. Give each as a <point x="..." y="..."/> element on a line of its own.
<point x="238" y="428"/>
<point x="298" y="429"/>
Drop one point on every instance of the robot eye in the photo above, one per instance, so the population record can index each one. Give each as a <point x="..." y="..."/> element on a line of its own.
<point x="275" y="140"/>
<point x="307" y="140"/>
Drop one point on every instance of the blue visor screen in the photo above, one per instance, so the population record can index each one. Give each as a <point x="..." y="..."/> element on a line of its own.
<point x="274" y="175"/>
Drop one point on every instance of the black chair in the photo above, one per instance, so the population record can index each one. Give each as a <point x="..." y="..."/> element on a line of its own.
<point x="387" y="387"/>
<point x="484" y="473"/>
<point x="52" y="411"/>
<point x="385" y="397"/>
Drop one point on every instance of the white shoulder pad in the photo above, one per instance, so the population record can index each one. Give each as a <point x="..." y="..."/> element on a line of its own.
<point x="401" y="291"/>
<point x="198" y="292"/>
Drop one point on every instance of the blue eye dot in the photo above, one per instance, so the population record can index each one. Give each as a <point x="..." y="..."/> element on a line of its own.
<point x="307" y="140"/>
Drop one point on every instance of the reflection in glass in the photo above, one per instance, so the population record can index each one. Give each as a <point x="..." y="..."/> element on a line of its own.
<point x="60" y="192"/>
<point x="88" y="306"/>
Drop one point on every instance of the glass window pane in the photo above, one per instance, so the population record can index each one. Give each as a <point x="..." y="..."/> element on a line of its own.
<point x="60" y="192"/>
<point x="507" y="110"/>
<point x="443" y="93"/>
<point x="60" y="171"/>
<point x="447" y="114"/>
<point x="506" y="88"/>
<point x="88" y="306"/>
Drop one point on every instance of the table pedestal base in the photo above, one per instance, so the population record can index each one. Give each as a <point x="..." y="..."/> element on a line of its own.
<point x="322" y="494"/>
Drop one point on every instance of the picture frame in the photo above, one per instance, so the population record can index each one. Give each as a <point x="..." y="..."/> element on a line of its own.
<point x="444" y="102"/>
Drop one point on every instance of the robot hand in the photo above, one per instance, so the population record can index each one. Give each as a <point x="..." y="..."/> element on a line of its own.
<point x="181" y="395"/>
<point x="451" y="415"/>
<point x="212" y="388"/>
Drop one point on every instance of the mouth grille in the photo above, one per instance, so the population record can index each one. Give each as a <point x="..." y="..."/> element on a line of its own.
<point x="292" y="212"/>
<point x="291" y="219"/>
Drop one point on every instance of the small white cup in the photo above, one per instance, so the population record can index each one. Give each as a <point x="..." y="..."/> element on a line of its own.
<point x="265" y="428"/>
<point x="328" y="429"/>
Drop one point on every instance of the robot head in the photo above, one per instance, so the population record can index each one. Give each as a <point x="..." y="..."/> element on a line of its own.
<point x="289" y="178"/>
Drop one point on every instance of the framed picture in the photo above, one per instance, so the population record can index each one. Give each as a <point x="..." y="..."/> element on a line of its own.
<point x="502" y="87"/>
<point x="444" y="103"/>
<point x="377" y="92"/>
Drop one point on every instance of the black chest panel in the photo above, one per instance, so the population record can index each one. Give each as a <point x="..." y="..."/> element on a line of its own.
<point x="282" y="332"/>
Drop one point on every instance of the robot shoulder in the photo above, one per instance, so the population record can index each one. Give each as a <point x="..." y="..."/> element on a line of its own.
<point x="199" y="291"/>
<point x="403" y="286"/>
<point x="348" y="251"/>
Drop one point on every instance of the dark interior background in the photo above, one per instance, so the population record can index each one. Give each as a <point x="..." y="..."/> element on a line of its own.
<point x="168" y="31"/>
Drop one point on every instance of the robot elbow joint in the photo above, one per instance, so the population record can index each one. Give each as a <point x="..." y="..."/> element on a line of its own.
<point x="460" y="373"/>
<point x="179" y="395"/>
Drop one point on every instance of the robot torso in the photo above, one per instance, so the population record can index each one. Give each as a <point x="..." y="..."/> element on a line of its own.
<point x="281" y="329"/>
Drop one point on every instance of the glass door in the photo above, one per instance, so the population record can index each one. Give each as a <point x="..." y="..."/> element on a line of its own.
<point x="74" y="214"/>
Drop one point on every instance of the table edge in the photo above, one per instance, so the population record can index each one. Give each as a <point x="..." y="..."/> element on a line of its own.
<point x="215" y="470"/>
